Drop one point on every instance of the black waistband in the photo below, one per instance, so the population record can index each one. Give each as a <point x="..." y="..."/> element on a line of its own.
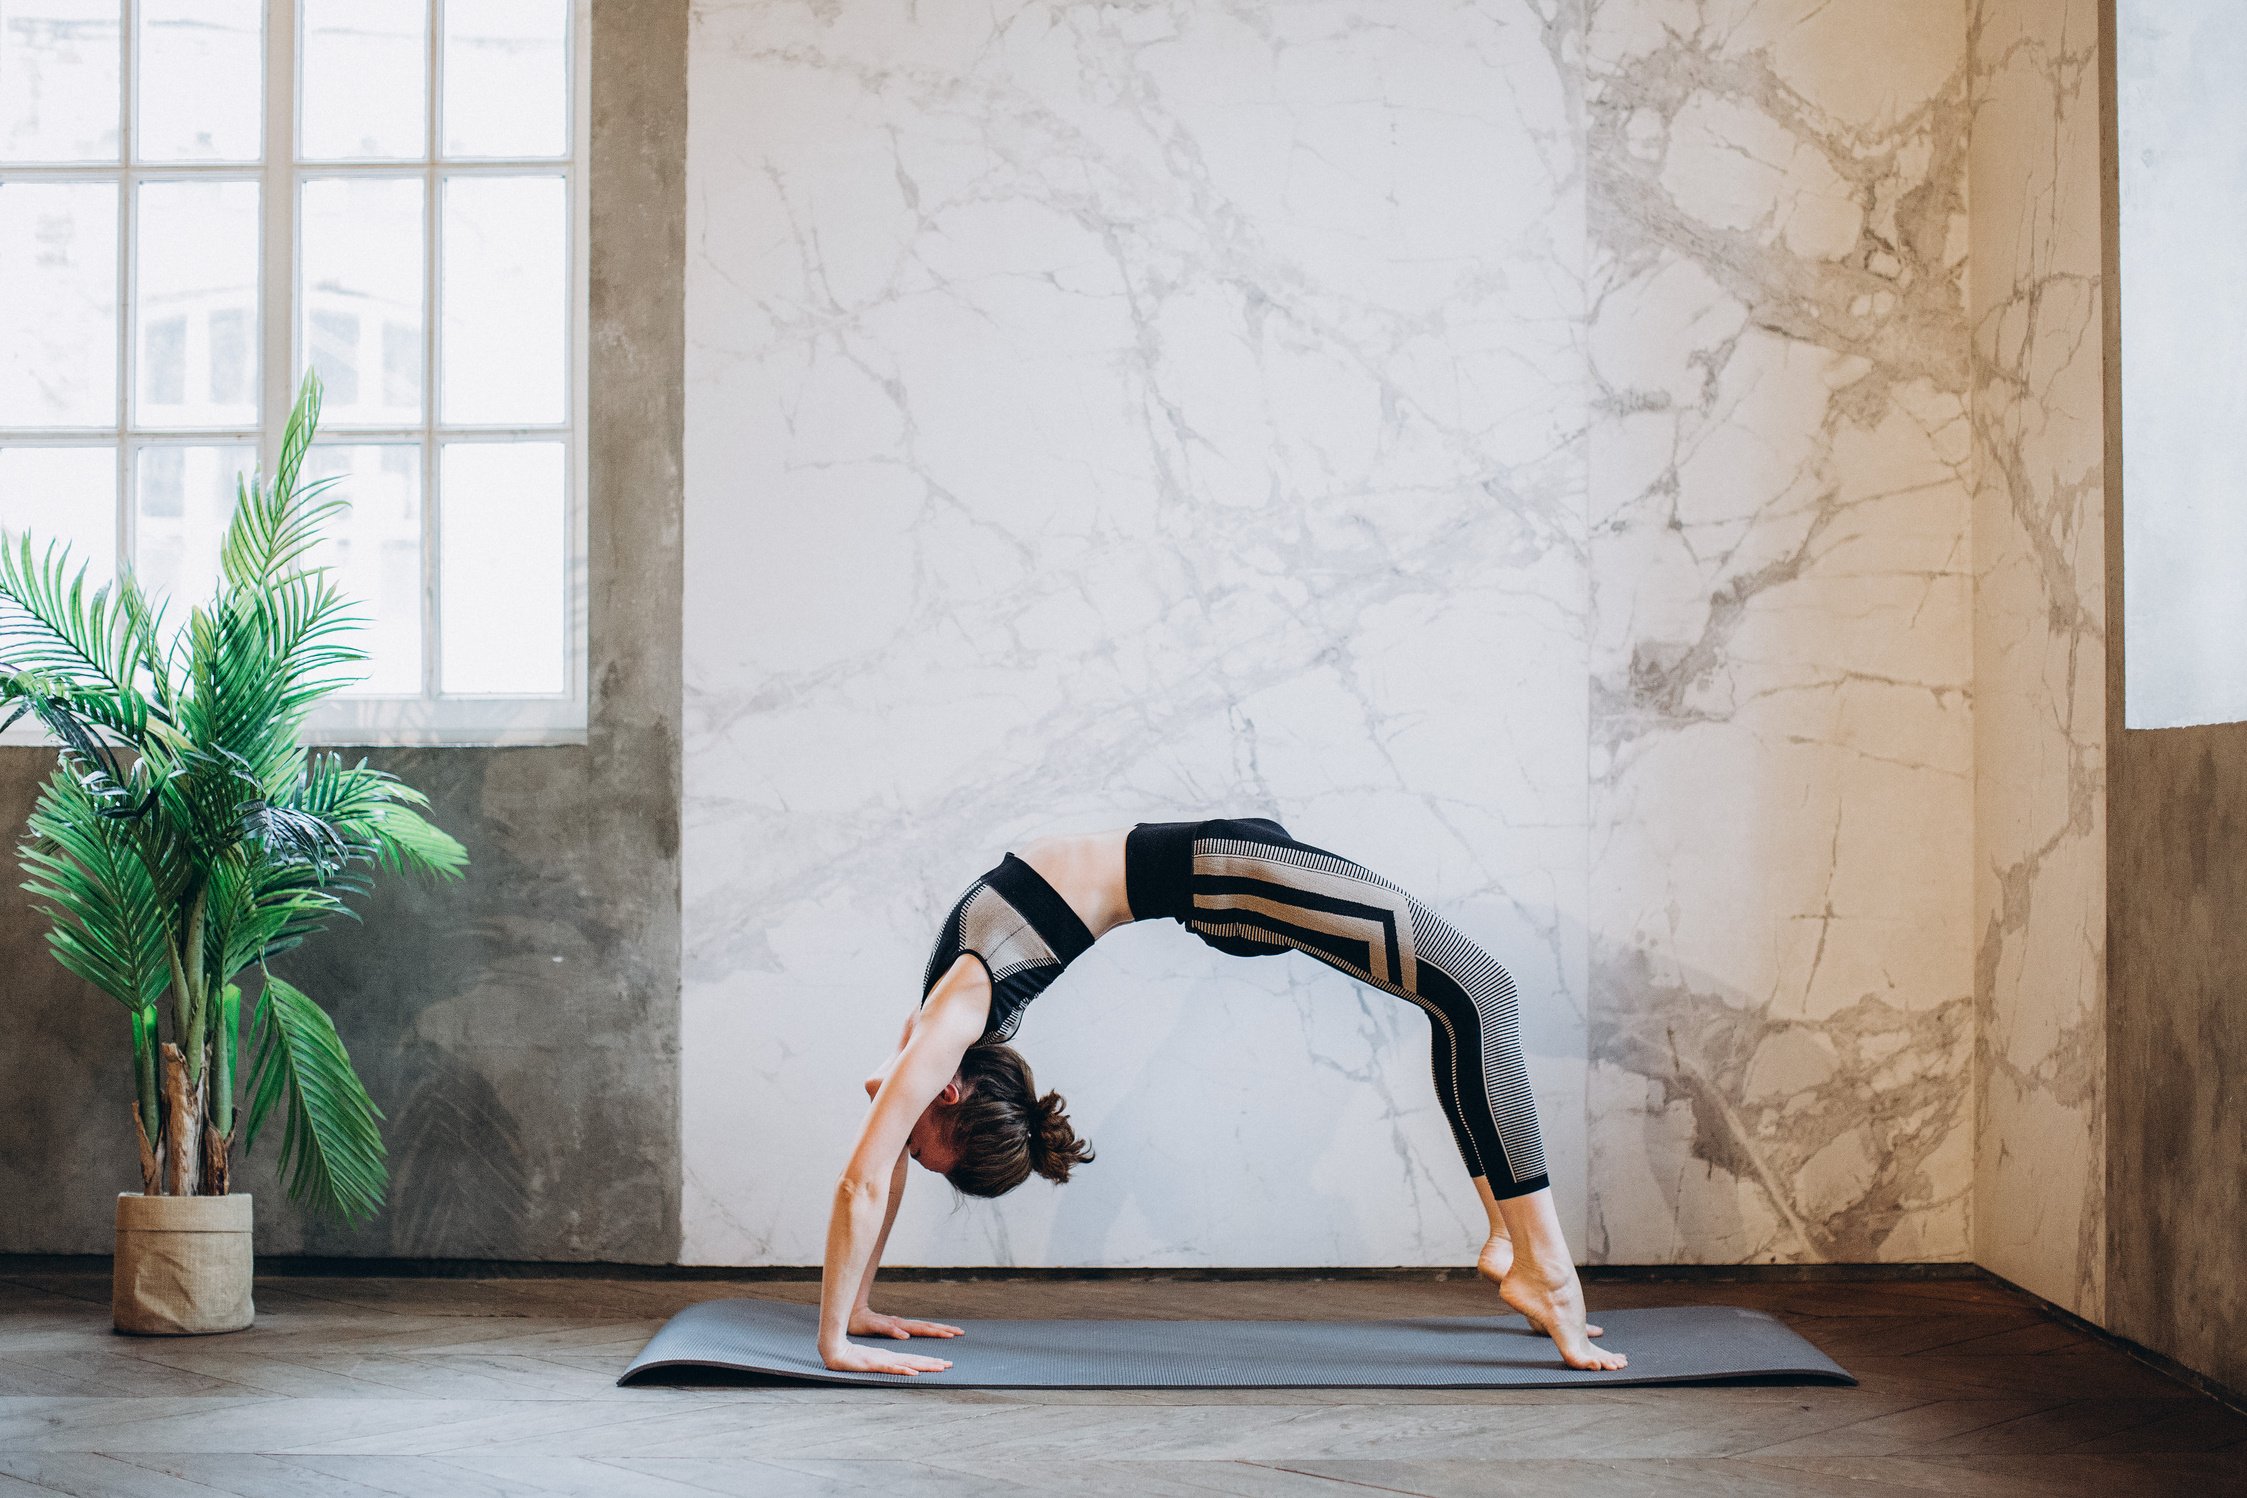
<point x="1042" y="906"/>
<point x="1159" y="860"/>
<point x="1159" y="870"/>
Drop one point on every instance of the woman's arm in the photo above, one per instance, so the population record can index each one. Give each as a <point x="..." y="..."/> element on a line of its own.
<point x="865" y="1321"/>
<point x="950" y="1022"/>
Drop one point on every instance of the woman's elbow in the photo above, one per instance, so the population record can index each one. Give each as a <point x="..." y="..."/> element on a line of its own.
<point x="857" y="1190"/>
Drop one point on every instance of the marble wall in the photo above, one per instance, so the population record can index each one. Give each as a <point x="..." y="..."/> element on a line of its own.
<point x="2040" y="886"/>
<point x="1522" y="445"/>
<point x="1780" y="763"/>
<point x="1106" y="413"/>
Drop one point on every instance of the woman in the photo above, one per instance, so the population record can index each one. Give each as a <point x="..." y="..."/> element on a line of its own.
<point x="959" y="1101"/>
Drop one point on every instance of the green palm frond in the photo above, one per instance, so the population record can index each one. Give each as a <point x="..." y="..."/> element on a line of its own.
<point x="87" y="741"/>
<point x="237" y="701"/>
<point x="143" y="617"/>
<point x="88" y="643"/>
<point x="331" y="1140"/>
<point x="258" y="910"/>
<point x="275" y="524"/>
<point x="201" y="797"/>
<point x="382" y="813"/>
<point x="87" y="876"/>
<point x="289" y="836"/>
<point x="309" y="625"/>
<point x="406" y="842"/>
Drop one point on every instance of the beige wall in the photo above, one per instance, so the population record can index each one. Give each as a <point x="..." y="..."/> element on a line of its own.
<point x="2039" y="649"/>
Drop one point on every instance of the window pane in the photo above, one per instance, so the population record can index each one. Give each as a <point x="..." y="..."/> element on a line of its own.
<point x="505" y="299"/>
<point x="361" y="297"/>
<point x="201" y="73"/>
<point x="375" y="549"/>
<point x="66" y="494"/>
<point x="197" y="308"/>
<point x="58" y="309"/>
<point x="58" y="80"/>
<point x="506" y="78"/>
<point x="2182" y="122"/>
<point x="503" y="569"/>
<point x="364" y="76"/>
<point x="183" y="497"/>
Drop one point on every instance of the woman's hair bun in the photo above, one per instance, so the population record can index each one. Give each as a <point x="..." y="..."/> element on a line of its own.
<point x="1055" y="1149"/>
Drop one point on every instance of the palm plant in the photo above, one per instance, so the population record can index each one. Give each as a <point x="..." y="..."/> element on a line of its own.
<point x="187" y="834"/>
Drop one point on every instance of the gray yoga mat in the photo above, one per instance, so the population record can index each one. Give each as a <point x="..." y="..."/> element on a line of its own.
<point x="1679" y="1344"/>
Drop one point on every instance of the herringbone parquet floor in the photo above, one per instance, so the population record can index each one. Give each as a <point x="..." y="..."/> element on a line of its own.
<point x="370" y="1388"/>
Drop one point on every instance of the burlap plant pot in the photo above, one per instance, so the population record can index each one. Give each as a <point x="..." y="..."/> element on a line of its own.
<point x="183" y="1265"/>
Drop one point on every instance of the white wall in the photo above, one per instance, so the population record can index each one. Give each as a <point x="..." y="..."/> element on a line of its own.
<point x="1099" y="414"/>
<point x="2182" y="136"/>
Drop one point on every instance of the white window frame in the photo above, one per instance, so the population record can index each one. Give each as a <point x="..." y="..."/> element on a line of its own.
<point x="429" y="718"/>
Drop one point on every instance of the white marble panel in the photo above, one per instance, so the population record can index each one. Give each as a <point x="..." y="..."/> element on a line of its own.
<point x="2040" y="650"/>
<point x="1781" y="769"/>
<point x="1099" y="414"/>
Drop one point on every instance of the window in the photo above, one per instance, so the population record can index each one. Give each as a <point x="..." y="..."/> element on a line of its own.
<point x="2181" y="125"/>
<point x="199" y="199"/>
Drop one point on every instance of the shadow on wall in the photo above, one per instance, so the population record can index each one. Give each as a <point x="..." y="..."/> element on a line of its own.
<point x="502" y="1025"/>
<point x="440" y="991"/>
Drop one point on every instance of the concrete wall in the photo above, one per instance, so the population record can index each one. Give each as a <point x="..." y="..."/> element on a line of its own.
<point x="2177" y="1009"/>
<point x="2177" y="1047"/>
<point x="520" y="1031"/>
<point x="2040" y="617"/>
<point x="1523" y="447"/>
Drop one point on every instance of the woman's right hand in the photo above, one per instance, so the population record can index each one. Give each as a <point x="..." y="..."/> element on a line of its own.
<point x="852" y="1358"/>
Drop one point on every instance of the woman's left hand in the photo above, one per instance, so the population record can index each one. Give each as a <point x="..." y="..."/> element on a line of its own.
<point x="864" y="1323"/>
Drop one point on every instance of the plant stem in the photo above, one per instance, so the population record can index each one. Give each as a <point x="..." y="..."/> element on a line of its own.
<point x="223" y="1051"/>
<point x="148" y="1118"/>
<point x="144" y="1073"/>
<point x="183" y="1002"/>
<point x="198" y="991"/>
<point x="183" y="1126"/>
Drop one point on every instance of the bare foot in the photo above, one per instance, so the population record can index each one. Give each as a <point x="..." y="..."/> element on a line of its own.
<point x="1554" y="1304"/>
<point x="1496" y="1262"/>
<point x="1497" y="1257"/>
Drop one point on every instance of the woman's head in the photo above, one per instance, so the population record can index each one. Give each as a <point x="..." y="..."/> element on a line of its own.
<point x="1000" y="1130"/>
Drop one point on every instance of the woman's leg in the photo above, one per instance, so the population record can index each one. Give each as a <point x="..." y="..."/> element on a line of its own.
<point x="1527" y="1257"/>
<point x="1253" y="895"/>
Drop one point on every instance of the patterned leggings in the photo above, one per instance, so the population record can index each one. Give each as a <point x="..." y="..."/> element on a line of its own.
<point x="1248" y="888"/>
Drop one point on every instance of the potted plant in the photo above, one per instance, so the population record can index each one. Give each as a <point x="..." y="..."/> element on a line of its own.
<point x="186" y="839"/>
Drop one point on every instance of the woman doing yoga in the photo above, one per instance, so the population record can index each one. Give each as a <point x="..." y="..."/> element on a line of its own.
<point x="959" y="1101"/>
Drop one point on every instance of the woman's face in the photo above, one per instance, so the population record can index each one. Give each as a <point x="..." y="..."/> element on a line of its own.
<point x="926" y="1144"/>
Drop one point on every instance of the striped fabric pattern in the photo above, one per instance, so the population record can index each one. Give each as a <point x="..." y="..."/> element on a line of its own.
<point x="1023" y="933"/>
<point x="1254" y="897"/>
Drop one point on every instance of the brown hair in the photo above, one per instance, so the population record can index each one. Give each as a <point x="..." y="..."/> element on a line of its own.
<point x="1003" y="1130"/>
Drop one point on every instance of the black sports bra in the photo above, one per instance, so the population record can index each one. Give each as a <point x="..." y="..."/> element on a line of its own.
<point x="1023" y="933"/>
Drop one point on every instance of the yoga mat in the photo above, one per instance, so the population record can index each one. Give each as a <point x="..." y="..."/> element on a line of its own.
<point x="1679" y="1344"/>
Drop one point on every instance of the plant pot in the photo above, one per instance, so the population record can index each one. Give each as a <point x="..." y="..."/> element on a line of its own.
<point x="183" y="1265"/>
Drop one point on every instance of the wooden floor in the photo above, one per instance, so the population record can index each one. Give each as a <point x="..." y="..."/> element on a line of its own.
<point x="366" y="1387"/>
